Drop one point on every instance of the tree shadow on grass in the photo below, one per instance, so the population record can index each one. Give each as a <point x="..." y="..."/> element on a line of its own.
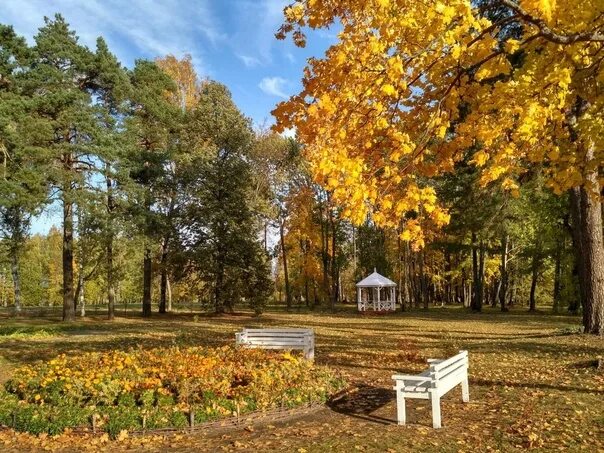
<point x="532" y="385"/>
<point x="534" y="348"/>
<point x="363" y="403"/>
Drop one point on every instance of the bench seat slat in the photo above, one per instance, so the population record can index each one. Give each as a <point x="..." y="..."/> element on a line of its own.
<point x="422" y="387"/>
<point x="417" y="395"/>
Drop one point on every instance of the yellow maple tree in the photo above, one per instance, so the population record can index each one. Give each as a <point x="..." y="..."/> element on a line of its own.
<point x="410" y="88"/>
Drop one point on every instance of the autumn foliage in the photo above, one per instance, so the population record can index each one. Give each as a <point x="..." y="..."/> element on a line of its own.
<point x="410" y="88"/>
<point x="161" y="386"/>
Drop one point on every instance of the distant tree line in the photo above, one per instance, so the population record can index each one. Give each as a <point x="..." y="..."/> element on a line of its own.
<point x="498" y="250"/>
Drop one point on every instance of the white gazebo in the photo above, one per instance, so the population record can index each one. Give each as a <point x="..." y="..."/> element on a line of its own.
<point x="376" y="292"/>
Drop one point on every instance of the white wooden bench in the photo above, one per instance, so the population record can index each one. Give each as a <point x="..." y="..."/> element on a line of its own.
<point x="432" y="384"/>
<point x="282" y="338"/>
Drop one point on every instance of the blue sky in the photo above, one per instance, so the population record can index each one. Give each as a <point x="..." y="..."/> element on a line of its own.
<point x="231" y="41"/>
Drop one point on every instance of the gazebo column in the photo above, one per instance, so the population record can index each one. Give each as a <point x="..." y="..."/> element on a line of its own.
<point x="377" y="307"/>
<point x="359" y="302"/>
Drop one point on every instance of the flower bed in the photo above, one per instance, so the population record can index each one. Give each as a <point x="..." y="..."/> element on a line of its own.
<point x="158" y="388"/>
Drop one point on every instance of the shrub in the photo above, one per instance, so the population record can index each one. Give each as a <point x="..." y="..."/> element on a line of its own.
<point x="162" y="386"/>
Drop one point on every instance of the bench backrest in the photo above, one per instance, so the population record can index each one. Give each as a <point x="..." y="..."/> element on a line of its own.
<point x="447" y="374"/>
<point x="281" y="338"/>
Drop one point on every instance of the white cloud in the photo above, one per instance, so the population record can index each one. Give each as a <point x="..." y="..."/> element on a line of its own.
<point x="274" y="86"/>
<point x="248" y="61"/>
<point x="290" y="57"/>
<point x="130" y="28"/>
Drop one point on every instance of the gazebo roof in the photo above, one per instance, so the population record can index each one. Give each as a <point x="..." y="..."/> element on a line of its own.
<point x="375" y="280"/>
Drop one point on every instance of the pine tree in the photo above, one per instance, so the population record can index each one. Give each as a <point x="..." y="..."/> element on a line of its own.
<point x="150" y="129"/>
<point x="220" y="229"/>
<point x="22" y="187"/>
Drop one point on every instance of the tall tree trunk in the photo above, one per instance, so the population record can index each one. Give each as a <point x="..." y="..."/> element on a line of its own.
<point x="407" y="290"/>
<point x="147" y="276"/>
<point x="288" y="294"/>
<point x="306" y="294"/>
<point x="586" y="215"/>
<point x="110" y="277"/>
<point x="77" y="297"/>
<point x="592" y="255"/>
<point x="423" y="279"/>
<point x="503" y="288"/>
<point x="482" y="258"/>
<point x="464" y="288"/>
<point x="477" y="273"/>
<point x="354" y="253"/>
<point x="169" y="301"/>
<point x="3" y="297"/>
<point x="325" y="255"/>
<point x="399" y="270"/>
<point x="68" y="290"/>
<point x="557" y="275"/>
<point x="163" y="287"/>
<point x="448" y="284"/>
<point x="586" y="210"/>
<point x="416" y="282"/>
<point x="218" y="288"/>
<point x="16" y="279"/>
<point x="535" y="264"/>
<point x="474" y="270"/>
<point x="575" y="212"/>
<point x="513" y="286"/>
<point x="593" y="247"/>
<point x="109" y="246"/>
<point x="147" y="260"/>
<point x="82" y="301"/>
<point x="334" y="263"/>
<point x="494" y="288"/>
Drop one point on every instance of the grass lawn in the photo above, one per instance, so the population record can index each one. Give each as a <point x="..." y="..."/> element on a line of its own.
<point x="533" y="382"/>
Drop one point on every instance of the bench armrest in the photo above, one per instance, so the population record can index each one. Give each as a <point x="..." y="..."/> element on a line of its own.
<point x="435" y="360"/>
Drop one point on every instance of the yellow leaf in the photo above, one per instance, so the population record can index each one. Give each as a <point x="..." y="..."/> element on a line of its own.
<point x="388" y="90"/>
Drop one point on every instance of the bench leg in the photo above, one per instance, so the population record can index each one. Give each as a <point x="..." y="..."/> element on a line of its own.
<point x="401" y="416"/>
<point x="435" y="410"/>
<point x="465" y="390"/>
<point x="309" y="354"/>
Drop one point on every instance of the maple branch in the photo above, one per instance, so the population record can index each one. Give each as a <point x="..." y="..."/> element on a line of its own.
<point x="549" y="34"/>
